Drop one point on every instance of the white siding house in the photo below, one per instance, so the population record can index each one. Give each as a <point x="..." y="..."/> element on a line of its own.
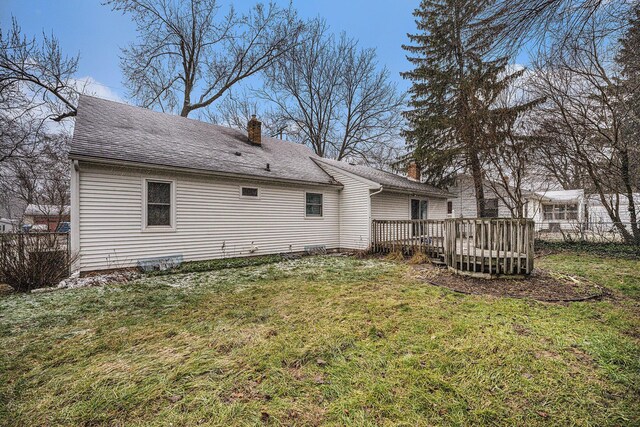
<point x="560" y="210"/>
<point x="389" y="205"/>
<point x="147" y="185"/>
<point x="7" y="225"/>
<point x="211" y="218"/>
<point x="355" y="208"/>
<point x="463" y="203"/>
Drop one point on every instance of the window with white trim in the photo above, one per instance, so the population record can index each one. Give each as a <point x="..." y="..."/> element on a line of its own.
<point x="158" y="204"/>
<point x="562" y="211"/>
<point x="249" y="192"/>
<point x="313" y="205"/>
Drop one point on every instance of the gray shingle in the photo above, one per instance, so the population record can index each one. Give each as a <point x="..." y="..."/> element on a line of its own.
<point x="115" y="131"/>
<point x="388" y="180"/>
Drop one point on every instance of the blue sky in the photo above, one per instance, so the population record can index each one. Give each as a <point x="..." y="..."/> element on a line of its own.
<point x="97" y="34"/>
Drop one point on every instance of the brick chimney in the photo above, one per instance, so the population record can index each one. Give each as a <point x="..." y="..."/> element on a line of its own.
<point x="254" y="128"/>
<point x="413" y="171"/>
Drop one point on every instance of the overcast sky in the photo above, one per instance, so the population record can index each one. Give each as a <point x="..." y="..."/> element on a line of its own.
<point x="97" y="34"/>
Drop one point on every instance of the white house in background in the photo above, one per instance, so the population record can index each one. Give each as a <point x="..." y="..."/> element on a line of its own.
<point x="561" y="210"/>
<point x="552" y="211"/>
<point x="462" y="203"/>
<point x="7" y="225"/>
<point x="597" y="216"/>
<point x="150" y="185"/>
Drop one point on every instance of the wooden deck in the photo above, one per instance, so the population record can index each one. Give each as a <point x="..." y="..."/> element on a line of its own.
<point x="479" y="247"/>
<point x="408" y="236"/>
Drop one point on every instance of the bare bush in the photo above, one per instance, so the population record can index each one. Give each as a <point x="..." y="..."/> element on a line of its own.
<point x="32" y="261"/>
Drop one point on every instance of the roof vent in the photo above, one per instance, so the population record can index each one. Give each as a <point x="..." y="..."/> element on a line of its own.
<point x="237" y="153"/>
<point x="268" y="168"/>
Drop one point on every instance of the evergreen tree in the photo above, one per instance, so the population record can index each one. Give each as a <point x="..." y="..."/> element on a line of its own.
<point x="455" y="84"/>
<point x="628" y="59"/>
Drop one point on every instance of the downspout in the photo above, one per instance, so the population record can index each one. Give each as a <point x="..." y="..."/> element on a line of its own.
<point x="75" y="220"/>
<point x="377" y="192"/>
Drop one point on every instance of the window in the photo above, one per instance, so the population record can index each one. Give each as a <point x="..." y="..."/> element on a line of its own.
<point x="491" y="208"/>
<point x="449" y="208"/>
<point x="314" y="205"/>
<point x="249" y="192"/>
<point x="159" y="200"/>
<point x="418" y="209"/>
<point x="560" y="211"/>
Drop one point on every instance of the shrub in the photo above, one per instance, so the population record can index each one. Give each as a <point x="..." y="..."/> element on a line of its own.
<point x="34" y="260"/>
<point x="620" y="250"/>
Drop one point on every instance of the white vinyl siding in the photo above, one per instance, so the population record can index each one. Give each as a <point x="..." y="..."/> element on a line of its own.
<point x="464" y="204"/>
<point x="388" y="205"/>
<point x="209" y="214"/>
<point x="355" y="208"/>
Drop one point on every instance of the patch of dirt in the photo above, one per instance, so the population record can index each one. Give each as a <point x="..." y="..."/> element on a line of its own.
<point x="5" y="289"/>
<point x="542" y="285"/>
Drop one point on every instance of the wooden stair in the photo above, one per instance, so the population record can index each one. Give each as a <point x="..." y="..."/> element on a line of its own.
<point x="438" y="261"/>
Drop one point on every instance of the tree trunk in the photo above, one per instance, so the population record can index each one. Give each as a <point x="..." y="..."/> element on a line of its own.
<point x="631" y="205"/>
<point x="478" y="184"/>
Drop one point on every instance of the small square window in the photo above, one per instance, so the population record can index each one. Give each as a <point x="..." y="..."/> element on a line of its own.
<point x="249" y="192"/>
<point x="314" y="205"/>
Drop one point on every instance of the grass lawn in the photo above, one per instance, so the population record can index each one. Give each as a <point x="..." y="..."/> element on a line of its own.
<point x="326" y="340"/>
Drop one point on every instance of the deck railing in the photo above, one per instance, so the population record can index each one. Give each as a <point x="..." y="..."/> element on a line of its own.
<point x="481" y="246"/>
<point x="408" y="236"/>
<point x="495" y="246"/>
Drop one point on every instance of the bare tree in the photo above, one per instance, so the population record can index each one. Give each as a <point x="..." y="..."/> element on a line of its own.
<point x="236" y="110"/>
<point x="521" y="20"/>
<point x="584" y="115"/>
<point x="188" y="54"/>
<point x="40" y="71"/>
<point x="334" y="96"/>
<point x="41" y="180"/>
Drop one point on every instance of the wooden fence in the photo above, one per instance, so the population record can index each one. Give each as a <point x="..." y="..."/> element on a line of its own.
<point x="480" y="246"/>
<point x="408" y="236"/>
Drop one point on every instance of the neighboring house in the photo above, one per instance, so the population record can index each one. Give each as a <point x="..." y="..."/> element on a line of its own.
<point x="45" y="217"/>
<point x="7" y="225"/>
<point x="561" y="210"/>
<point x="150" y="185"/>
<point x="463" y="203"/>
<point x="597" y="217"/>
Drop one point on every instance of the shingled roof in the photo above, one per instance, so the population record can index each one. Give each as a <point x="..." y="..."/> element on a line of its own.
<point x="388" y="180"/>
<point x="108" y="130"/>
<point x="114" y="131"/>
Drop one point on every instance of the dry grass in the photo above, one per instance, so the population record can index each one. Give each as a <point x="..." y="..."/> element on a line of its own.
<point x="394" y="256"/>
<point x="326" y="340"/>
<point x="419" y="258"/>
